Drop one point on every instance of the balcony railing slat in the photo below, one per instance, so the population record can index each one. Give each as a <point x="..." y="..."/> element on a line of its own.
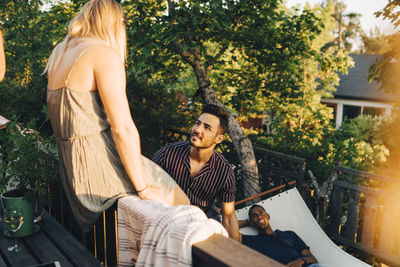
<point x="371" y="205"/>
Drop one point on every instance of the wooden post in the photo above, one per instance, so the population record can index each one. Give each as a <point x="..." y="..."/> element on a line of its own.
<point x="336" y="210"/>
<point x="352" y="215"/>
<point x="388" y="225"/>
<point x="368" y="228"/>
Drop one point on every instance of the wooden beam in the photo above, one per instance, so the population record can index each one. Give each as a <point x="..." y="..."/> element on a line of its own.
<point x="222" y="251"/>
<point x="278" y="154"/>
<point x="368" y="175"/>
<point x="265" y="192"/>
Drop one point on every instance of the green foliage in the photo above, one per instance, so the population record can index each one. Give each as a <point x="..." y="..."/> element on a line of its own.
<point x="390" y="12"/>
<point x="156" y="110"/>
<point x="264" y="51"/>
<point x="31" y="31"/>
<point x="26" y="159"/>
<point x="30" y="34"/>
<point x="385" y="71"/>
<point x="375" y="42"/>
<point x="387" y="68"/>
<point x="257" y="55"/>
<point x="291" y="81"/>
<point x="362" y="143"/>
<point x="147" y="53"/>
<point x="347" y="28"/>
<point x="300" y="123"/>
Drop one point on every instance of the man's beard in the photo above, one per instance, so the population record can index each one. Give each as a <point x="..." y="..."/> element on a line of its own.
<point x="199" y="146"/>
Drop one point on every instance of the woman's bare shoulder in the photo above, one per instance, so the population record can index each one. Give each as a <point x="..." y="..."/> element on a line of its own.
<point x="101" y="51"/>
<point x="104" y="59"/>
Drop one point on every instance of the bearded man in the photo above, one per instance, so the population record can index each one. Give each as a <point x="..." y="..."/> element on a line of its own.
<point x="201" y="172"/>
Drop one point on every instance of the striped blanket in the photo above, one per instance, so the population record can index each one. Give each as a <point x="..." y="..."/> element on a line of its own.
<point x="150" y="233"/>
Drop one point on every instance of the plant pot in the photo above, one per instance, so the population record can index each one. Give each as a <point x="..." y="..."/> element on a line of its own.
<point x="14" y="199"/>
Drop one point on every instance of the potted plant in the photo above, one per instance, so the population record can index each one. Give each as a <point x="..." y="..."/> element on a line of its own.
<point x="25" y="170"/>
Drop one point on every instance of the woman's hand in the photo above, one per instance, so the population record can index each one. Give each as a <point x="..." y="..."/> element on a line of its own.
<point x="151" y="192"/>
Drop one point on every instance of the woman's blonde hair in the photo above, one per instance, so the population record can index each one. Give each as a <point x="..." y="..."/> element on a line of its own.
<point x="101" y="19"/>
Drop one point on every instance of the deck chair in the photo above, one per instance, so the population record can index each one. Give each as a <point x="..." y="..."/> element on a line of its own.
<point x="289" y="212"/>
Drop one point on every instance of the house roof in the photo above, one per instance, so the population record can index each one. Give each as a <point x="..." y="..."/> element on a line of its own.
<point x="355" y="85"/>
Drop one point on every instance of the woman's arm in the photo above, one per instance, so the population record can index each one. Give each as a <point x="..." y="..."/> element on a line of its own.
<point x="2" y="58"/>
<point x="109" y="73"/>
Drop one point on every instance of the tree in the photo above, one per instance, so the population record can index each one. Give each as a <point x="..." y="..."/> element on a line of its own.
<point x="390" y="12"/>
<point x="347" y="26"/>
<point x="30" y="33"/>
<point x="375" y="42"/>
<point x="210" y="36"/>
<point x="154" y="110"/>
<point x="302" y="124"/>
<point x="386" y="70"/>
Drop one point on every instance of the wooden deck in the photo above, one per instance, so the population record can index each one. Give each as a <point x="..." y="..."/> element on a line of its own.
<point x="51" y="243"/>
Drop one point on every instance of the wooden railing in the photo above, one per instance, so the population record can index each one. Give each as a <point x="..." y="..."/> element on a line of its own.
<point x="101" y="240"/>
<point x="365" y="213"/>
<point x="267" y="193"/>
<point x="275" y="169"/>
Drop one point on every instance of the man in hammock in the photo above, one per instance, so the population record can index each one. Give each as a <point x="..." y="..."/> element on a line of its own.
<point x="201" y="172"/>
<point x="285" y="247"/>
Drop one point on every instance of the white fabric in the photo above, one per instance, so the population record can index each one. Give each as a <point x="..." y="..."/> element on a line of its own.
<point x="289" y="212"/>
<point x="150" y="233"/>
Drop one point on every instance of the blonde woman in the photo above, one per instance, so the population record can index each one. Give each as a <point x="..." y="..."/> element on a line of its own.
<point x="98" y="142"/>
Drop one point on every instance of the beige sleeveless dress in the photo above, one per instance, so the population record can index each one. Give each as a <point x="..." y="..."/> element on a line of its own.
<point x="91" y="170"/>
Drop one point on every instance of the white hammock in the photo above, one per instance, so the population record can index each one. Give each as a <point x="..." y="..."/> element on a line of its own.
<point x="289" y="212"/>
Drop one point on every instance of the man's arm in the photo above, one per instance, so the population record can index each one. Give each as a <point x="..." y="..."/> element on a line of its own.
<point x="229" y="220"/>
<point x="306" y="258"/>
<point x="158" y="157"/>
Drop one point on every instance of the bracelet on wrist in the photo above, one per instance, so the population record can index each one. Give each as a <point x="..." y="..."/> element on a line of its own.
<point x="138" y="191"/>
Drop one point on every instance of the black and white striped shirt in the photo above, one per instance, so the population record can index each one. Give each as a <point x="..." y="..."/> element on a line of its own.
<point x="216" y="178"/>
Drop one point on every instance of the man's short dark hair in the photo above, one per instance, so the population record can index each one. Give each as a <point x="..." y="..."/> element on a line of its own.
<point x="220" y="113"/>
<point x="253" y="207"/>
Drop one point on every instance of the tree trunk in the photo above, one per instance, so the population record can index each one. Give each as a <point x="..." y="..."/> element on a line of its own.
<point x="242" y="143"/>
<point x="340" y="10"/>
